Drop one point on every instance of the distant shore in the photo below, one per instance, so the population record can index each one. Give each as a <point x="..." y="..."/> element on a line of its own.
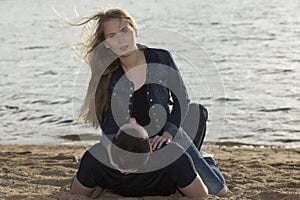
<point x="45" y="171"/>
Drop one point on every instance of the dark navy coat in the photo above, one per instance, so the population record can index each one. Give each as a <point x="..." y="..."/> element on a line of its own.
<point x="166" y="95"/>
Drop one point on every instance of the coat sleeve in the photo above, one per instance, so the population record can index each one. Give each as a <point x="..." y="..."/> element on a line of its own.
<point x="179" y="96"/>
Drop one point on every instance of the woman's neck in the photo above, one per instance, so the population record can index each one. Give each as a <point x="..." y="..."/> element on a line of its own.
<point x="135" y="67"/>
<point x="134" y="59"/>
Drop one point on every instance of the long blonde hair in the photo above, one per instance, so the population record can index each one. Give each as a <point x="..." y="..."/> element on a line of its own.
<point x="103" y="63"/>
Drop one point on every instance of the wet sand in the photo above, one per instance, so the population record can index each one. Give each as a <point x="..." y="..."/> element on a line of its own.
<point x="44" y="172"/>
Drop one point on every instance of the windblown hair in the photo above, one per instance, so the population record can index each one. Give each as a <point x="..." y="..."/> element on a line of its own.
<point x="103" y="63"/>
<point x="129" y="149"/>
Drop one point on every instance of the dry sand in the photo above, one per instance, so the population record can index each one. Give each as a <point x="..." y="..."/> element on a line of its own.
<point x="44" y="172"/>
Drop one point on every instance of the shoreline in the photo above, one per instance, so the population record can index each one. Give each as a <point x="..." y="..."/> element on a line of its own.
<point x="77" y="141"/>
<point x="45" y="171"/>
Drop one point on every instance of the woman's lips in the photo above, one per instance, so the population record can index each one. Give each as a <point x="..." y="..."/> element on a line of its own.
<point x="124" y="48"/>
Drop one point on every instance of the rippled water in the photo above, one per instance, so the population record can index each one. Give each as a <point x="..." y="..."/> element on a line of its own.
<point x="255" y="46"/>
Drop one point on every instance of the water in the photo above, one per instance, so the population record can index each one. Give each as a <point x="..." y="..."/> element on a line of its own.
<point x="254" y="46"/>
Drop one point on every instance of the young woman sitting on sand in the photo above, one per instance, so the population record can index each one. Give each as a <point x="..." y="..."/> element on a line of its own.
<point x="131" y="80"/>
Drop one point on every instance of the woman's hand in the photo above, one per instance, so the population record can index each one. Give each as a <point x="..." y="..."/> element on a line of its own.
<point x="158" y="141"/>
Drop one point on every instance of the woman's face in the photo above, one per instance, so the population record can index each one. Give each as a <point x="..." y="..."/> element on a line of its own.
<point x="119" y="37"/>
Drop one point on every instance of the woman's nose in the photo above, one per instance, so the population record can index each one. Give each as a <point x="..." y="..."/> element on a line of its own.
<point x="121" y="37"/>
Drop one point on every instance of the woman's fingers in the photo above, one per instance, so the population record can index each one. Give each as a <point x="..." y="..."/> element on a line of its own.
<point x="161" y="142"/>
<point x="154" y="142"/>
<point x="157" y="142"/>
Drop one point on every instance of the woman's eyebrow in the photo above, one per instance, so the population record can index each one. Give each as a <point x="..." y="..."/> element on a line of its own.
<point x="125" y="27"/>
<point x="113" y="33"/>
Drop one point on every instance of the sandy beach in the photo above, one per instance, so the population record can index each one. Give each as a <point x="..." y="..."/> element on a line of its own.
<point x="44" y="172"/>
